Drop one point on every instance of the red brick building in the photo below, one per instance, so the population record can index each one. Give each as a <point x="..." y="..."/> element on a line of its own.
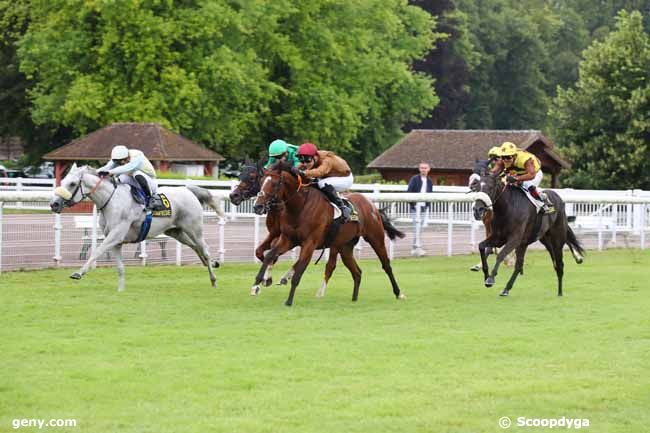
<point x="160" y="145"/>
<point x="452" y="153"/>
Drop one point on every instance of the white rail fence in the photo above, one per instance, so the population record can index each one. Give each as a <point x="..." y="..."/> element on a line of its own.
<point x="37" y="240"/>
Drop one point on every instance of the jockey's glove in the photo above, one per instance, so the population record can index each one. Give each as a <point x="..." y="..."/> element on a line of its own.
<point x="103" y="174"/>
<point x="511" y="179"/>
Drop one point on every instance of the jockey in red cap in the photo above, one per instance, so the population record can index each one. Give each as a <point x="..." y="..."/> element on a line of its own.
<point x="333" y="173"/>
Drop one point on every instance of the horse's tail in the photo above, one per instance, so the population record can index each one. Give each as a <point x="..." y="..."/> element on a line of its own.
<point x="389" y="228"/>
<point x="206" y="197"/>
<point x="577" y="250"/>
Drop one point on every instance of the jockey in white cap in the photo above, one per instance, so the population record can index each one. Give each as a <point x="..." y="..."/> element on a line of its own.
<point x="133" y="168"/>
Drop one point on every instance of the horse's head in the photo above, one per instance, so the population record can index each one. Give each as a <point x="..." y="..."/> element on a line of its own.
<point x="249" y="183"/>
<point x="72" y="187"/>
<point x="277" y="186"/>
<point x="487" y="190"/>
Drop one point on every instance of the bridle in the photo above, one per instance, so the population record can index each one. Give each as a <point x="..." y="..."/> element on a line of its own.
<point x="274" y="201"/>
<point x="70" y="202"/>
<point x="250" y="191"/>
<point x="485" y="197"/>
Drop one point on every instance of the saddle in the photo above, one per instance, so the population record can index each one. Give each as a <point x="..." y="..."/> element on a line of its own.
<point x="161" y="208"/>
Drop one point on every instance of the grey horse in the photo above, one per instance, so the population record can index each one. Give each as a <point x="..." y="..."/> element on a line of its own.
<point x="122" y="217"/>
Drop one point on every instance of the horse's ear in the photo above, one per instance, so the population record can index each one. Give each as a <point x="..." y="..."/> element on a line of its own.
<point x="73" y="167"/>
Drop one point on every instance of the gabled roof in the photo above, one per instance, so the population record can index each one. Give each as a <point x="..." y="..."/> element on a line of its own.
<point x="157" y="143"/>
<point x="458" y="149"/>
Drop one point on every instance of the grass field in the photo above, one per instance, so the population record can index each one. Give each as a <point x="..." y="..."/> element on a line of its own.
<point x="173" y="355"/>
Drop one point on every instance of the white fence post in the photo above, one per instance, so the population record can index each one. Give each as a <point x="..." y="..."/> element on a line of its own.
<point x="450" y="228"/>
<point x="643" y="224"/>
<point x="615" y="218"/>
<point x="2" y="205"/>
<point x="256" y="236"/>
<point x="57" y="239"/>
<point x="222" y="233"/>
<point x="179" y="253"/>
<point x="93" y="242"/>
<point x="19" y="187"/>
<point x="143" y="253"/>
<point x="418" y="225"/>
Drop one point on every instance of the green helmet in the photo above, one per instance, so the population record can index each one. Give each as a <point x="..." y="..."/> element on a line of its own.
<point x="278" y="147"/>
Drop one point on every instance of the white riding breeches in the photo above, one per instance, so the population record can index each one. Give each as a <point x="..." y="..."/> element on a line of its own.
<point x="130" y="180"/>
<point x="534" y="181"/>
<point x="339" y="183"/>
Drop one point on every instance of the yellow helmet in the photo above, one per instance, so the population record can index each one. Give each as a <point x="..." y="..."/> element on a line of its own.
<point x="508" y="149"/>
<point x="495" y="151"/>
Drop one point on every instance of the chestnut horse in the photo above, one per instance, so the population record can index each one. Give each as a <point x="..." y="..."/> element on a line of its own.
<point x="305" y="219"/>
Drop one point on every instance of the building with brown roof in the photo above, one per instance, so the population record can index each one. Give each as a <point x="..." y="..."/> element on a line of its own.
<point x="160" y="145"/>
<point x="452" y="153"/>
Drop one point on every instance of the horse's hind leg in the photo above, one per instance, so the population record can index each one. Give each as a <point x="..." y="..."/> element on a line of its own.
<point x="378" y="245"/>
<point x="519" y="268"/>
<point x="329" y="270"/>
<point x="200" y="247"/>
<point x="347" y="256"/>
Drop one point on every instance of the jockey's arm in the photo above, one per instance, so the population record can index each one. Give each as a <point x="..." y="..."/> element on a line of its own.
<point x="107" y="167"/>
<point x="498" y="167"/>
<point x="321" y="171"/>
<point x="134" y="164"/>
<point x="530" y="171"/>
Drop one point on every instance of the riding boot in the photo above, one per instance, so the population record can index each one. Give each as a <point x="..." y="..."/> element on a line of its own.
<point x="547" y="206"/>
<point x="148" y="200"/>
<point x="332" y="196"/>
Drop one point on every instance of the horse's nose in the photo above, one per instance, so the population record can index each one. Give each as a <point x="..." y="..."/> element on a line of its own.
<point x="258" y="209"/>
<point x="478" y="213"/>
<point x="235" y="198"/>
<point x="55" y="206"/>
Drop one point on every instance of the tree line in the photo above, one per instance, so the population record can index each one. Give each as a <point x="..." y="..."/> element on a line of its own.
<point x="349" y="76"/>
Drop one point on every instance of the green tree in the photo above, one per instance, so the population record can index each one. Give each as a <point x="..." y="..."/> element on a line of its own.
<point x="232" y="74"/>
<point x="603" y="123"/>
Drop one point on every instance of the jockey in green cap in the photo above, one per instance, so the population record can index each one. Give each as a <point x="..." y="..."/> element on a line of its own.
<point x="281" y="150"/>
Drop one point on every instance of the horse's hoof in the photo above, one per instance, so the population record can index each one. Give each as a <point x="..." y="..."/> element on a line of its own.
<point x="268" y="282"/>
<point x="504" y="293"/>
<point x="475" y="268"/>
<point x="401" y="296"/>
<point x="288" y="303"/>
<point x="489" y="282"/>
<point x="216" y="264"/>
<point x="255" y="290"/>
<point x="579" y="260"/>
<point x="283" y="282"/>
<point x="76" y="276"/>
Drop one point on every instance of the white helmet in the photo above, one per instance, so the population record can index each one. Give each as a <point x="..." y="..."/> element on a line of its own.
<point x="119" y="152"/>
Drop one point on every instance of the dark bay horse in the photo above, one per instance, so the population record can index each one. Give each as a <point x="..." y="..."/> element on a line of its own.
<point x="248" y="187"/>
<point x="516" y="224"/>
<point x="305" y="220"/>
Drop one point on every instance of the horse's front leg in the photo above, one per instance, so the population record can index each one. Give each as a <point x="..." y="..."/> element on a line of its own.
<point x="117" y="253"/>
<point x="306" y="252"/>
<point x="115" y="237"/>
<point x="482" y="249"/>
<point x="512" y="243"/>
<point x="282" y="245"/>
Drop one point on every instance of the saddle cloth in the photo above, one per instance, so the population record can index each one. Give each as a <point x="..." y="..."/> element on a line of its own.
<point x="354" y="215"/>
<point x="538" y="204"/>
<point x="162" y="207"/>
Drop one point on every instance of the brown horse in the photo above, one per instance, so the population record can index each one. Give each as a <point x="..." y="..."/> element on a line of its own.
<point x="305" y="219"/>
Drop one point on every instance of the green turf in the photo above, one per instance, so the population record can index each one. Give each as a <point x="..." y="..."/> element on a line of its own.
<point x="173" y="355"/>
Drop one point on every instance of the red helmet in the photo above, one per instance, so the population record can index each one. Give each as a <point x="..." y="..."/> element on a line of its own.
<point x="307" y="149"/>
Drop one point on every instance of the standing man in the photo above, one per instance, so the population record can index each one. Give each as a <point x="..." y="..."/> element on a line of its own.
<point x="419" y="183"/>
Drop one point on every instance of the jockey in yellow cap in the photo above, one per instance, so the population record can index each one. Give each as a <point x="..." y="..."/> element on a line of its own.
<point x="522" y="168"/>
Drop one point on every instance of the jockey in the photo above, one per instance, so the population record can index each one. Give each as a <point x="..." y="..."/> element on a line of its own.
<point x="483" y="165"/>
<point x="132" y="168"/>
<point x="333" y="174"/>
<point x="524" y="168"/>
<point x="281" y="150"/>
